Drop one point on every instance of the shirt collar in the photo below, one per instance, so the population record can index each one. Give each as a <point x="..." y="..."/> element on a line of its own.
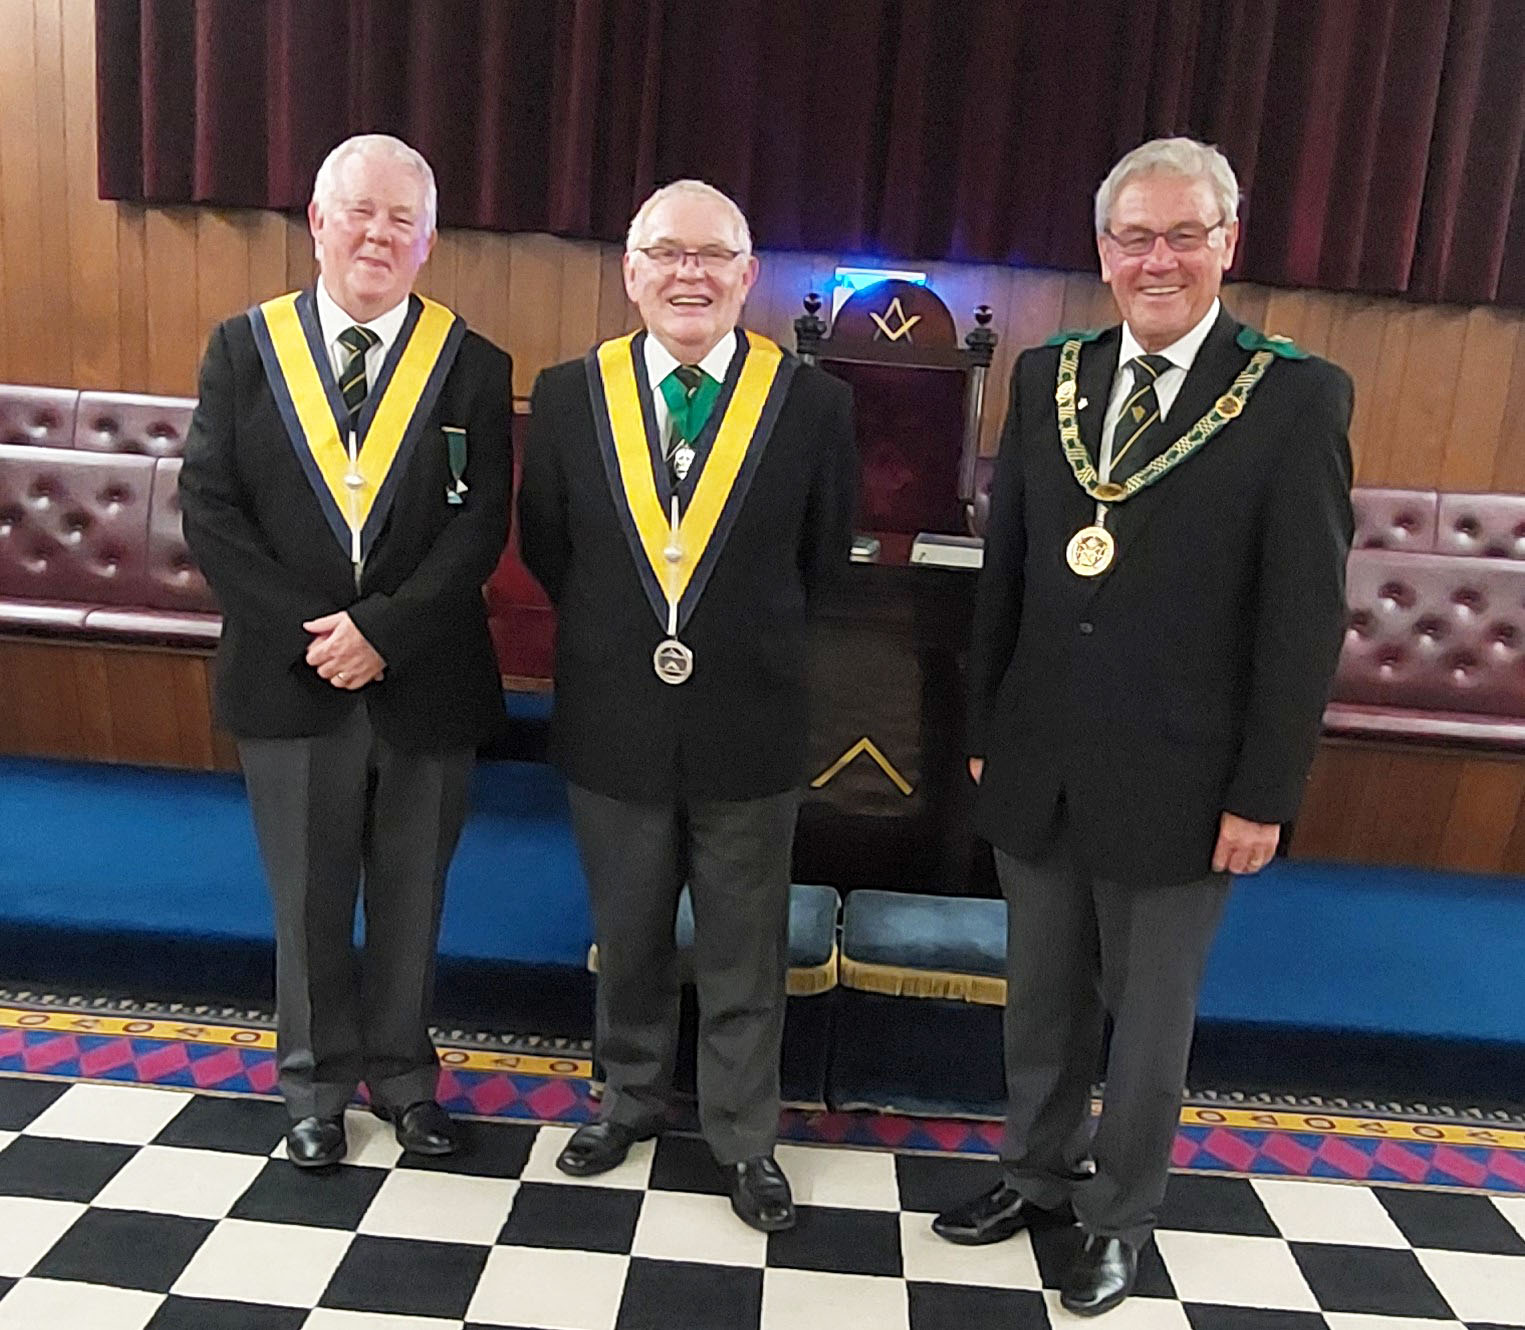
<point x="332" y="320"/>
<point x="1181" y="352"/>
<point x="660" y="362"/>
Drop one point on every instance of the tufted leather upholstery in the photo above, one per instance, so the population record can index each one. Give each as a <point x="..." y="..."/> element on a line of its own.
<point x="73" y="527"/>
<point x="1491" y="526"/>
<point x="90" y="530"/>
<point x="1394" y="519"/>
<point x="1435" y="646"/>
<point x="177" y="606"/>
<point x="1386" y="519"/>
<point x="42" y="417"/>
<point x="132" y="423"/>
<point x="175" y="583"/>
<point x="90" y="543"/>
<point x="90" y="540"/>
<point x="161" y="627"/>
<point x="44" y="617"/>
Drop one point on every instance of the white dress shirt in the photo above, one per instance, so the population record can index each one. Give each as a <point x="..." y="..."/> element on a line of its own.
<point x="660" y="362"/>
<point x="1181" y="353"/>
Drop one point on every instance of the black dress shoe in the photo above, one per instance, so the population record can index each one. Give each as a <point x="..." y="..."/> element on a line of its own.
<point x="423" y="1128"/>
<point x="316" y="1142"/>
<point x="760" y="1194"/>
<point x="1100" y="1276"/>
<point x="994" y="1216"/>
<point x="597" y="1147"/>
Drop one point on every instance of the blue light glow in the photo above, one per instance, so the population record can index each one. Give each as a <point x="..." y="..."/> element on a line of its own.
<point x="858" y="279"/>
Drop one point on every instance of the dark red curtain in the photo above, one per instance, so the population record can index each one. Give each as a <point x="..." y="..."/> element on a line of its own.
<point x="1379" y="141"/>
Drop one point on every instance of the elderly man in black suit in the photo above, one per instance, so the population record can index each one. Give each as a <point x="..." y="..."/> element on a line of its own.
<point x="1159" y="615"/>
<point x="345" y="491"/>
<point x="687" y="490"/>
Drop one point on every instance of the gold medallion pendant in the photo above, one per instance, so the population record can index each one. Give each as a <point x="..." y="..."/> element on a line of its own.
<point x="1090" y="551"/>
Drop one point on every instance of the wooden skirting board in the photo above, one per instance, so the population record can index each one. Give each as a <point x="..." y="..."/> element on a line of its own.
<point x="89" y="701"/>
<point x="1367" y="802"/>
<point x="1425" y="807"/>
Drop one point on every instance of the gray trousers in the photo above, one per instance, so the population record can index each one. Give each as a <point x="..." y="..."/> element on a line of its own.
<point x="735" y="857"/>
<point x="331" y="812"/>
<point x="1079" y="950"/>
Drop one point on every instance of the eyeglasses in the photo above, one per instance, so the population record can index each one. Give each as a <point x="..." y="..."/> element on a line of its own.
<point x="708" y="257"/>
<point x="1137" y="241"/>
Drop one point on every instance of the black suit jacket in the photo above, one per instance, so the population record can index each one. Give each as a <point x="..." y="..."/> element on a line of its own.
<point x="1190" y="678"/>
<point x="258" y="533"/>
<point x="736" y="729"/>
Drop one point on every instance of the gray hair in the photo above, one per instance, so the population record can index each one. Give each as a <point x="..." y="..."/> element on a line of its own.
<point x="1179" y="157"/>
<point x="325" y="187"/>
<point x="636" y="236"/>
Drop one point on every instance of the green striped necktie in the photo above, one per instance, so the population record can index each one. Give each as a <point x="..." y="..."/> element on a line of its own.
<point x="356" y="341"/>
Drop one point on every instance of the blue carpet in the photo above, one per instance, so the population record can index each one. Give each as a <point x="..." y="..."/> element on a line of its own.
<point x="534" y="708"/>
<point x="1400" y="951"/>
<point x="145" y="880"/>
<point x="124" y="850"/>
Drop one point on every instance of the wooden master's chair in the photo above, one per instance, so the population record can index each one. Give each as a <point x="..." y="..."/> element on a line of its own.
<point x="919" y="395"/>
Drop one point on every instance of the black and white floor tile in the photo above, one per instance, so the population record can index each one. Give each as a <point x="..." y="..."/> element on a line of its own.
<point x="132" y="1208"/>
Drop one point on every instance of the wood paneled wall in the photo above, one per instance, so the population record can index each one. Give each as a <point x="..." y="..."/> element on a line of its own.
<point x="103" y="295"/>
<point x="90" y="702"/>
<point x="1394" y="803"/>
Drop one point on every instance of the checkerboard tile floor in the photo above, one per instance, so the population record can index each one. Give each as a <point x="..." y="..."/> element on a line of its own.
<point x="128" y="1208"/>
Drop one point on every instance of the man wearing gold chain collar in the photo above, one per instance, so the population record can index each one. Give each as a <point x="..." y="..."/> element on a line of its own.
<point x="1158" y="619"/>
<point x="687" y="490"/>
<point x="345" y="491"/>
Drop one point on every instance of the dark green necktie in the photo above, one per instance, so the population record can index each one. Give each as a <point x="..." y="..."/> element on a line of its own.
<point x="356" y="341"/>
<point x="1141" y="413"/>
<point x="689" y="393"/>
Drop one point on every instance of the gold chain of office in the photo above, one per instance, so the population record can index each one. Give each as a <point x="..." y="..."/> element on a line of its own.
<point x="1223" y="410"/>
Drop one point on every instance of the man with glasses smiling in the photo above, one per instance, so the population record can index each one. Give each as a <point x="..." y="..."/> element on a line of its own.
<point x="687" y="490"/>
<point x="1159" y="615"/>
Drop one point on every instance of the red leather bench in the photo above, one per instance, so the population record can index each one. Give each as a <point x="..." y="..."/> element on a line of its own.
<point x="519" y="615"/>
<point x="90" y="539"/>
<point x="90" y="543"/>
<point x="1435" y="643"/>
<point x="90" y="549"/>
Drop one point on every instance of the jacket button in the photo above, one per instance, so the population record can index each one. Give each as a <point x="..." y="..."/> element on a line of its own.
<point x="1086" y="625"/>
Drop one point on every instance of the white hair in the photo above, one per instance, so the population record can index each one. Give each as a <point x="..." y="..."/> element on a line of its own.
<point x="325" y="187"/>
<point x="637" y="235"/>
<point x="1178" y="157"/>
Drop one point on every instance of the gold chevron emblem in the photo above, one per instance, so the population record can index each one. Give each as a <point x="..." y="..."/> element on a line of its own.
<point x="895" y="334"/>
<point x="864" y="745"/>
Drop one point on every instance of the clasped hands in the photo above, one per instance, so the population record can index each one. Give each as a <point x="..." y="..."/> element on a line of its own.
<point x="1243" y="846"/>
<point x="339" y="652"/>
